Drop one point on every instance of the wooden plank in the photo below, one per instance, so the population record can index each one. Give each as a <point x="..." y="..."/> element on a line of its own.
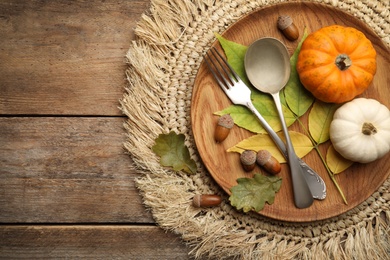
<point x="92" y="242"/>
<point x="65" y="57"/>
<point x="66" y="170"/>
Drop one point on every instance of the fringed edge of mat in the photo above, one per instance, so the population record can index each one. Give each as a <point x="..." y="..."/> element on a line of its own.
<point x="208" y="235"/>
<point x="148" y="76"/>
<point x="145" y="101"/>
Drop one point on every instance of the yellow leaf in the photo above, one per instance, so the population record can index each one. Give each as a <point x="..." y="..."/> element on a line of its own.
<point x="302" y="145"/>
<point x="320" y="117"/>
<point x="336" y="162"/>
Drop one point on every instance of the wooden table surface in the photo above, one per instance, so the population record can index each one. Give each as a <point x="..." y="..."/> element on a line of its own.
<point x="66" y="184"/>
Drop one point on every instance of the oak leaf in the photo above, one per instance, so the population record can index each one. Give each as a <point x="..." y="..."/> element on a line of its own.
<point x="252" y="193"/>
<point x="173" y="152"/>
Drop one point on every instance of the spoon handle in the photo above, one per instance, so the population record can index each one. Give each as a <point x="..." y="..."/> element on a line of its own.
<point x="302" y="194"/>
<point x="316" y="183"/>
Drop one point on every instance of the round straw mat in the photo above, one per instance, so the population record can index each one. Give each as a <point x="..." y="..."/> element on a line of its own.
<point x="172" y="37"/>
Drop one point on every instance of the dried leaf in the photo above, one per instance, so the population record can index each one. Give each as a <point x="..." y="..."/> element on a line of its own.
<point x="297" y="97"/>
<point x="336" y="162"/>
<point x="320" y="117"/>
<point x="173" y="152"/>
<point x="252" y="193"/>
<point x="302" y="145"/>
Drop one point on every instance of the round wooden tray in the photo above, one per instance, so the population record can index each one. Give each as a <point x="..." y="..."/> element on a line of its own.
<point x="358" y="182"/>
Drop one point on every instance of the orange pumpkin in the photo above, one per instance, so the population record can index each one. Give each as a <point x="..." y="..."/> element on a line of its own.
<point x="336" y="63"/>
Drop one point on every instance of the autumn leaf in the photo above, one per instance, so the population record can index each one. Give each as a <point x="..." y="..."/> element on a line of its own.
<point x="266" y="107"/>
<point x="320" y="117"/>
<point x="297" y="97"/>
<point x="252" y="193"/>
<point x="173" y="152"/>
<point x="244" y="118"/>
<point x="263" y="102"/>
<point x="235" y="54"/>
<point x="336" y="162"/>
<point x="302" y="145"/>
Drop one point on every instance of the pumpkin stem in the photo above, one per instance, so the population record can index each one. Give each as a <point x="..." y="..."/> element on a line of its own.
<point x="369" y="129"/>
<point x="343" y="62"/>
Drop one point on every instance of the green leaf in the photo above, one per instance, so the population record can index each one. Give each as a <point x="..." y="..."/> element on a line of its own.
<point x="302" y="145"/>
<point x="336" y="162"/>
<point x="263" y="102"/>
<point x="235" y="54"/>
<point x="297" y="97"/>
<point x="244" y="118"/>
<point x="173" y="152"/>
<point x="266" y="107"/>
<point x="252" y="193"/>
<point x="320" y="117"/>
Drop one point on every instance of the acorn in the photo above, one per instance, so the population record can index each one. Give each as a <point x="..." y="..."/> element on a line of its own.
<point x="206" y="200"/>
<point x="225" y="123"/>
<point x="248" y="160"/>
<point x="288" y="28"/>
<point x="268" y="162"/>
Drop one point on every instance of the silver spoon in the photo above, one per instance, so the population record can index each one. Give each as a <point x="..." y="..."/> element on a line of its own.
<point x="267" y="65"/>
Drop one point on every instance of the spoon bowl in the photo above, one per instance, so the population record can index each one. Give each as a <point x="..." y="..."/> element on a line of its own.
<point x="267" y="65"/>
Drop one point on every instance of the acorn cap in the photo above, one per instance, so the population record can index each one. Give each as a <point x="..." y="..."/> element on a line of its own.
<point x="284" y="22"/>
<point x="248" y="157"/>
<point x="263" y="156"/>
<point x="226" y="121"/>
<point x="196" y="200"/>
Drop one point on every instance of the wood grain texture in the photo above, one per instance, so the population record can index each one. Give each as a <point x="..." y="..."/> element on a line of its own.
<point x="67" y="170"/>
<point x="66" y="184"/>
<point x="65" y="57"/>
<point x="225" y="167"/>
<point x="89" y="242"/>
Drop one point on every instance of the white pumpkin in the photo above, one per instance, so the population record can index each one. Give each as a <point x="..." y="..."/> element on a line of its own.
<point x="360" y="130"/>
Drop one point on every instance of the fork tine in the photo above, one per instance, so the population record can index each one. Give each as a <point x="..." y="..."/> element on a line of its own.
<point x="225" y="74"/>
<point x="214" y="70"/>
<point x="233" y="76"/>
<point x="222" y="70"/>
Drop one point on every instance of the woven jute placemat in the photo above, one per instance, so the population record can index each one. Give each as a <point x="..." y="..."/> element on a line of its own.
<point x="172" y="38"/>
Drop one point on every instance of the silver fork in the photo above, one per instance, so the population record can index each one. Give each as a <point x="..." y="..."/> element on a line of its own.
<point x="240" y="94"/>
